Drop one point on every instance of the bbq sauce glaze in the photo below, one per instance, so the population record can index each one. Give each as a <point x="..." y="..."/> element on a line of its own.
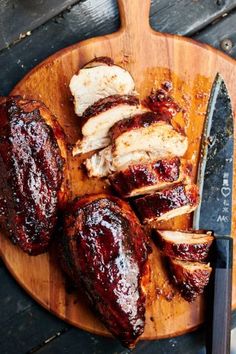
<point x="109" y="250"/>
<point x="31" y="173"/>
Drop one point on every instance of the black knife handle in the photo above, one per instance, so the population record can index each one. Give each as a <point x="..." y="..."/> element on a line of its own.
<point x="220" y="298"/>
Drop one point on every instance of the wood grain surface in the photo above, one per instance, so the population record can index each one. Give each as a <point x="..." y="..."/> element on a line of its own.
<point x="27" y="15"/>
<point x="152" y="58"/>
<point x="165" y="16"/>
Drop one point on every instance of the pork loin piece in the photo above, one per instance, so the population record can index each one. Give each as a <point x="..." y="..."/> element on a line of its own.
<point x="32" y="152"/>
<point x="103" y="163"/>
<point x="105" y="251"/>
<point x="168" y="203"/>
<point x="142" y="138"/>
<point x="100" y="117"/>
<point x="146" y="178"/>
<point x="190" y="277"/>
<point x="148" y="132"/>
<point x="99" y="79"/>
<point x="100" y="164"/>
<point x="185" y="246"/>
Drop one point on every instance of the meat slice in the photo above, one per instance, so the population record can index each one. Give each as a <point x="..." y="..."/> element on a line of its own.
<point x="105" y="251"/>
<point x="98" y="79"/>
<point x="148" y="132"/>
<point x="100" y="117"/>
<point x="190" y="277"/>
<point x="168" y="203"/>
<point x="103" y="163"/>
<point x="146" y="178"/>
<point x="184" y="245"/>
<point x="142" y="138"/>
<point x="32" y="152"/>
<point x="100" y="164"/>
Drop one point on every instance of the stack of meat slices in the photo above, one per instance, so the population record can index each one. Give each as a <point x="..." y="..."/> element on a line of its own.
<point x="140" y="147"/>
<point x="103" y="95"/>
<point x="187" y="253"/>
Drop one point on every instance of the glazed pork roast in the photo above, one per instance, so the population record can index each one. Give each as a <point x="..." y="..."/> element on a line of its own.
<point x="99" y="79"/>
<point x="105" y="251"/>
<point x="32" y="152"/>
<point x="168" y="203"/>
<point x="192" y="246"/>
<point x="146" y="178"/>
<point x="190" y="277"/>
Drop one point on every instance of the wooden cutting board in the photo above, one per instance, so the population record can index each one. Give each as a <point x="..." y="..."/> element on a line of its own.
<point x="152" y="58"/>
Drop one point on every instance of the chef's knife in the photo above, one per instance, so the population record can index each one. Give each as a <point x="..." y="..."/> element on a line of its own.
<point x="215" y="178"/>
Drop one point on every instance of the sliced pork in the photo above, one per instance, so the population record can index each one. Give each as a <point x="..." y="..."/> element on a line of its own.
<point x="100" y="164"/>
<point x="168" y="203"/>
<point x="98" y="79"/>
<point x="142" y="138"/>
<point x="100" y="117"/>
<point x="184" y="245"/>
<point x="146" y="178"/>
<point x="148" y="132"/>
<point x="190" y="277"/>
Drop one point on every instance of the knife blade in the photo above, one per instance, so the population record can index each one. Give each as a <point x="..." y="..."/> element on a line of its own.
<point x="215" y="180"/>
<point x="215" y="171"/>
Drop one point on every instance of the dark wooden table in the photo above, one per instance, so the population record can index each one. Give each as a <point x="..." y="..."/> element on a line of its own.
<point x="29" y="32"/>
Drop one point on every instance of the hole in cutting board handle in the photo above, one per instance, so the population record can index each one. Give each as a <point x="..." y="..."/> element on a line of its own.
<point x="134" y="15"/>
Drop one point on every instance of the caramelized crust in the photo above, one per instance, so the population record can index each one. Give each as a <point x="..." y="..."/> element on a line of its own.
<point x="100" y="117"/>
<point x="190" y="277"/>
<point x="99" y="61"/>
<point x="106" y="252"/>
<point x="106" y="103"/>
<point x="159" y="101"/>
<point x="141" y="178"/>
<point x="167" y="203"/>
<point x="31" y="172"/>
<point x="184" y="245"/>
<point x="138" y="121"/>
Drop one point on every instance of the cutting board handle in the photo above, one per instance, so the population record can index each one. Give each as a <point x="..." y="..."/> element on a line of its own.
<point x="134" y="15"/>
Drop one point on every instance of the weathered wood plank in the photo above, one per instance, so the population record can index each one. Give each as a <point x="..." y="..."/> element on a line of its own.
<point x="20" y="16"/>
<point x="12" y="298"/>
<point x="23" y="323"/>
<point x="183" y="17"/>
<point x="54" y="35"/>
<point x="221" y="35"/>
<point x="76" y="341"/>
<point x="187" y="16"/>
<point x="27" y="330"/>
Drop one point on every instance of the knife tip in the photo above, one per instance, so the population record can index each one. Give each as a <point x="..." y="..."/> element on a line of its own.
<point x="218" y="78"/>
